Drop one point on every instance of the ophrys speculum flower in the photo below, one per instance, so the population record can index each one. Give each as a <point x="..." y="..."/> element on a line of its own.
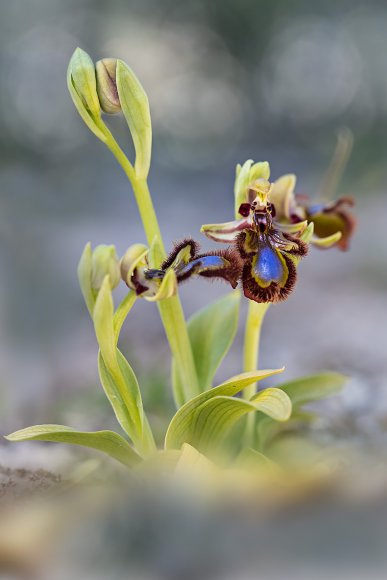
<point x="268" y="251"/>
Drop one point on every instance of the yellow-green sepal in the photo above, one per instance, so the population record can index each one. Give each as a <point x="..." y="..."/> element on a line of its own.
<point x="246" y="174"/>
<point x="326" y="242"/>
<point x="282" y="195"/>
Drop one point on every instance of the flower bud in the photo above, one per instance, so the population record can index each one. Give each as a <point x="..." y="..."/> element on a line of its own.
<point x="82" y="85"/>
<point x="81" y="78"/>
<point x="104" y="262"/>
<point x="105" y="71"/>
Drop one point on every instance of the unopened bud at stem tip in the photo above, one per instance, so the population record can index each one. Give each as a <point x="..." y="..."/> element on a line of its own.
<point x="105" y="262"/>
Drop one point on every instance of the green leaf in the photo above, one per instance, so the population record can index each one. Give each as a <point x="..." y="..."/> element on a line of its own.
<point x="182" y="425"/>
<point x="106" y="441"/>
<point x="104" y="326"/>
<point x="135" y="106"/>
<point x="82" y="85"/>
<point x="211" y="331"/>
<point x="300" y="392"/>
<point x="214" y="418"/>
<point x="124" y="395"/>
<point x="254" y="460"/>
<point x="274" y="403"/>
<point x="117" y="376"/>
<point x="313" y="387"/>
<point x="294" y="452"/>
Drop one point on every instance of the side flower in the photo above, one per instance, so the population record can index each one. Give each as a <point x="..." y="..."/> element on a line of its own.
<point x="183" y="262"/>
<point x="333" y="223"/>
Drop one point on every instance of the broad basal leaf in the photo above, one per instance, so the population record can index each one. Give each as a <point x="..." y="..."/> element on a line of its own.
<point x="122" y="399"/>
<point x="182" y="425"/>
<point x="313" y="387"/>
<point x="106" y="441"/>
<point x="214" y="418"/>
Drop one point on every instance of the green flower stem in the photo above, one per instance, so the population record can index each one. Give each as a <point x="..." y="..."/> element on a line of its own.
<point x="255" y="316"/>
<point x="171" y="310"/>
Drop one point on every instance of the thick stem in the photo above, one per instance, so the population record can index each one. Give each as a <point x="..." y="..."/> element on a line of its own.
<point x="255" y="316"/>
<point x="171" y="311"/>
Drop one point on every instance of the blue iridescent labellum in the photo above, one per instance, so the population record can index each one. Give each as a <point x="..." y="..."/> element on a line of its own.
<point x="267" y="266"/>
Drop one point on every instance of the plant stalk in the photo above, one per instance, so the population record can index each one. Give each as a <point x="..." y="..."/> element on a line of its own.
<point x="255" y="315"/>
<point x="171" y="311"/>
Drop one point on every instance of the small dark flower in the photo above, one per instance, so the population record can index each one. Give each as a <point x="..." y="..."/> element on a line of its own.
<point x="330" y="218"/>
<point x="333" y="222"/>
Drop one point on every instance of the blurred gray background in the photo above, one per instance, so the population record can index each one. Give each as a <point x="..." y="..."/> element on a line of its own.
<point x="227" y="80"/>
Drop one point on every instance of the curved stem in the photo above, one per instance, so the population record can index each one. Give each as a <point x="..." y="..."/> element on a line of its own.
<point x="171" y="311"/>
<point x="255" y="316"/>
